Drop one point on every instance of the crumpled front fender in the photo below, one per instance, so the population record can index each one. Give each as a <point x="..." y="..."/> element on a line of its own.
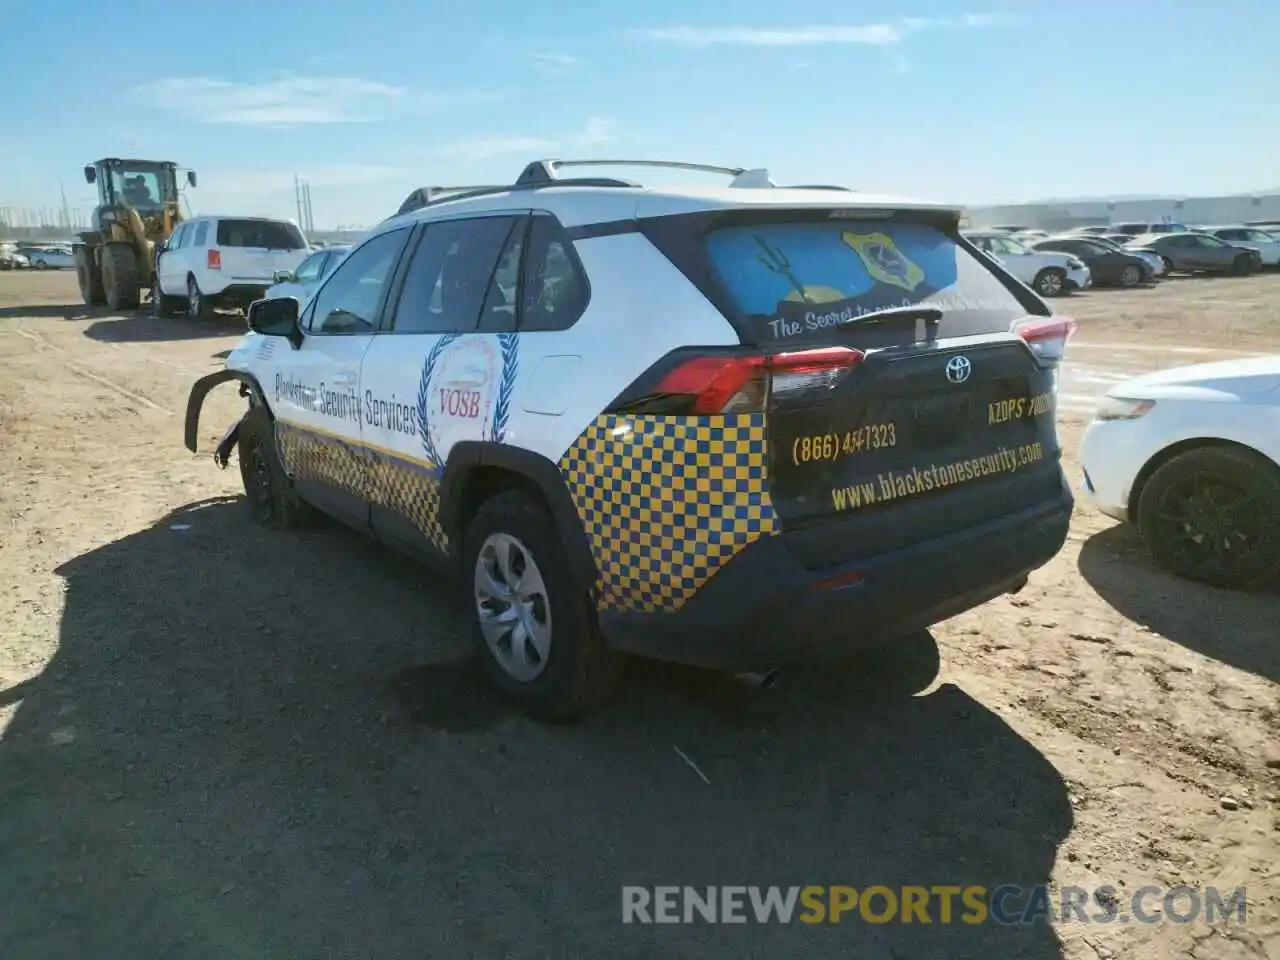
<point x="195" y="403"/>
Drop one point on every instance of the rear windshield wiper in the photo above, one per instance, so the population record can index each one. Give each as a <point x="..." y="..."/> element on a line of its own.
<point x="898" y="315"/>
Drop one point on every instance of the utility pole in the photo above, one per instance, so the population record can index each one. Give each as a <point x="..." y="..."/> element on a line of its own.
<point x="297" y="199"/>
<point x="310" y="213"/>
<point x="66" y="212"/>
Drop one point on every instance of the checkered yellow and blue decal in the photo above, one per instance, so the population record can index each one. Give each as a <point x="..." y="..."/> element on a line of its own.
<point x="403" y="485"/>
<point x="667" y="501"/>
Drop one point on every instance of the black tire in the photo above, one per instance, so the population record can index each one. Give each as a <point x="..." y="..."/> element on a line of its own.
<point x="165" y="305"/>
<point x="1242" y="266"/>
<point x="1050" y="282"/>
<point x="580" y="671"/>
<point x="1168" y="266"/>
<point x="198" y="305"/>
<point x="1131" y="276"/>
<point x="89" y="276"/>
<point x="267" y="488"/>
<point x="1209" y="498"/>
<point x="120" y="275"/>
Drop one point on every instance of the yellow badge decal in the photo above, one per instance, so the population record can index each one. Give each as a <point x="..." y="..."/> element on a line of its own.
<point x="884" y="260"/>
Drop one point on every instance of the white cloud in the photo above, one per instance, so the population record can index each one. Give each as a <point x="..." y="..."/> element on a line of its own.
<point x="598" y="130"/>
<point x="485" y="148"/>
<point x="870" y="34"/>
<point x="595" y="131"/>
<point x="257" y="183"/>
<point x="288" y="100"/>
<point x="554" y="64"/>
<point x="874" y="33"/>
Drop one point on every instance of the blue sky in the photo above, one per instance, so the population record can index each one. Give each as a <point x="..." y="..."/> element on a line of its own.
<point x="980" y="103"/>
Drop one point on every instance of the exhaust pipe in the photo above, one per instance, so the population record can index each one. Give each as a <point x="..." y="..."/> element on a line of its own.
<point x="759" y="682"/>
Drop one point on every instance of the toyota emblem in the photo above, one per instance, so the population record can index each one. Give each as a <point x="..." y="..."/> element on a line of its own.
<point x="958" y="369"/>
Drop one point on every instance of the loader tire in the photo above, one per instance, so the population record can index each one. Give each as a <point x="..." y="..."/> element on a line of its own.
<point x="89" y="275"/>
<point x="121" y="276"/>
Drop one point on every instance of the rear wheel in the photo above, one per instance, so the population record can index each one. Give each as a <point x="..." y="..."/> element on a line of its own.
<point x="120" y="275"/>
<point x="267" y="488"/>
<point x="1168" y="265"/>
<point x="89" y="277"/>
<point x="1130" y="276"/>
<point x="535" y="628"/>
<point x="1213" y="514"/>
<point x="1050" y="282"/>
<point x="198" y="305"/>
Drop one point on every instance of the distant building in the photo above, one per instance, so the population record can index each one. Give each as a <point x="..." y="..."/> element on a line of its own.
<point x="1063" y="215"/>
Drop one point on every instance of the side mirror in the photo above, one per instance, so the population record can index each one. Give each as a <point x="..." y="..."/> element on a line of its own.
<point x="191" y="177"/>
<point x="276" y="317"/>
<point x="283" y="276"/>
<point x="90" y="175"/>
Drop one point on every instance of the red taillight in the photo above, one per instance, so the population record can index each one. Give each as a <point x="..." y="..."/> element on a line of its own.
<point x="1046" y="336"/>
<point x="215" y="259"/>
<point x="728" y="384"/>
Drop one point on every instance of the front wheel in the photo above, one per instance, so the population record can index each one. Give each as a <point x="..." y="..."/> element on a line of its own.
<point x="1168" y="265"/>
<point x="1130" y="276"/>
<point x="267" y="488"/>
<point x="1242" y="266"/>
<point x="534" y="625"/>
<point x="1050" y="282"/>
<point x="1212" y="514"/>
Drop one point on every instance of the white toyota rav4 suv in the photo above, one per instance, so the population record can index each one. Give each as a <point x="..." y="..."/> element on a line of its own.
<point x="734" y="427"/>
<point x="224" y="261"/>
<point x="1047" y="273"/>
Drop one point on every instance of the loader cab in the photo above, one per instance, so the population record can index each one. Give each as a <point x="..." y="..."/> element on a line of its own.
<point x="145" y="185"/>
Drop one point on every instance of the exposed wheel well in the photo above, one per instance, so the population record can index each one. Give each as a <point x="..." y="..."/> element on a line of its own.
<point x="1168" y="453"/>
<point x="481" y="483"/>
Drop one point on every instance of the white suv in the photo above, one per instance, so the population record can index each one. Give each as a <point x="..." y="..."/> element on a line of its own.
<point x="214" y="261"/>
<point x="733" y="427"/>
<point x="1048" y="274"/>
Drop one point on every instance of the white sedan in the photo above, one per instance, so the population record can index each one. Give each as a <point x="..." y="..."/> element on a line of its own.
<point x="50" y="258"/>
<point x="1191" y="456"/>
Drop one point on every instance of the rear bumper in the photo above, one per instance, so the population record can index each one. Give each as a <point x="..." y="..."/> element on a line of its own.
<point x="239" y="294"/>
<point x="763" y="609"/>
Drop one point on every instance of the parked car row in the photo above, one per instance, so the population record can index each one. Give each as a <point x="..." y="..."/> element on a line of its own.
<point x="1127" y="254"/>
<point x="22" y="256"/>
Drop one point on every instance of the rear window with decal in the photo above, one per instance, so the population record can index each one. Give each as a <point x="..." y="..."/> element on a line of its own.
<point x="801" y="281"/>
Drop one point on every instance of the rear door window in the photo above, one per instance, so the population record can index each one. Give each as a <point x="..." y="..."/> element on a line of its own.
<point x="802" y="281"/>
<point x="267" y="234"/>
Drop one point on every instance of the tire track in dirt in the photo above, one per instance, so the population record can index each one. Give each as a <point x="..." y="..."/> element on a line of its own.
<point x="43" y="343"/>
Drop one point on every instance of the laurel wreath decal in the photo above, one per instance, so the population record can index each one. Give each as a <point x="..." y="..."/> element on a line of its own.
<point x="424" y="398"/>
<point x="510" y="344"/>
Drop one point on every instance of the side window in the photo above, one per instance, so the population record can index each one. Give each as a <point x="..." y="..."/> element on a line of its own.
<point x="310" y="268"/>
<point x="202" y="231"/>
<point x="175" y="242"/>
<point x="349" y="300"/>
<point x="554" y="288"/>
<point x="448" y="279"/>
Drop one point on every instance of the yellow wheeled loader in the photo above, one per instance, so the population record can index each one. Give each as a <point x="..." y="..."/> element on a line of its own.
<point x="137" y="209"/>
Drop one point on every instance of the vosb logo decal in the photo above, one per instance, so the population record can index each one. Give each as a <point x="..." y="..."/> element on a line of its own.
<point x="464" y="392"/>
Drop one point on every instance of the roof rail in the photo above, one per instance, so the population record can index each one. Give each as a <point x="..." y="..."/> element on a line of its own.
<point x="424" y="196"/>
<point x="820" y="186"/>
<point x="546" y="172"/>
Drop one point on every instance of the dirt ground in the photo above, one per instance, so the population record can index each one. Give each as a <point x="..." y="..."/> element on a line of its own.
<point x="219" y="741"/>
